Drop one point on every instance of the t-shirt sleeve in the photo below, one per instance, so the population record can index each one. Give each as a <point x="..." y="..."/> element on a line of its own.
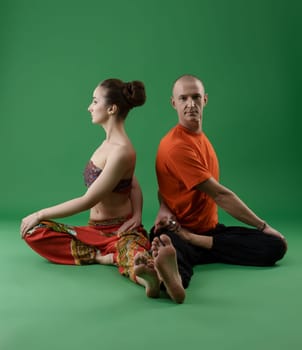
<point x="187" y="166"/>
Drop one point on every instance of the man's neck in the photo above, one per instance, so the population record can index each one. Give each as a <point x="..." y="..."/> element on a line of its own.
<point x="192" y="130"/>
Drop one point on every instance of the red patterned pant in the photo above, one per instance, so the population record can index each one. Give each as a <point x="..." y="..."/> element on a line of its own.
<point x="78" y="245"/>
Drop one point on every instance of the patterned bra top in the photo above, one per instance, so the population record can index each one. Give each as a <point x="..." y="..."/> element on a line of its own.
<point x="91" y="173"/>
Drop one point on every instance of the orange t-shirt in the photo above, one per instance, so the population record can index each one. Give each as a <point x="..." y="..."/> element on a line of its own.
<point x="184" y="160"/>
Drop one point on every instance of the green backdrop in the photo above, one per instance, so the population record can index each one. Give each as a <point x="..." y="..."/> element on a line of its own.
<point x="53" y="54"/>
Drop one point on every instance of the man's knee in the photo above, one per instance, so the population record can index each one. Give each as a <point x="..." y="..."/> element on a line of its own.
<point x="281" y="247"/>
<point x="276" y="250"/>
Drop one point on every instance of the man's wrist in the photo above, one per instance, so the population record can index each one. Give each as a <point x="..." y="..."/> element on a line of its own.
<point x="262" y="226"/>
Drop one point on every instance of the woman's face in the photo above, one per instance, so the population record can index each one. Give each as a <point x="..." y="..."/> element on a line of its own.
<point x="98" y="108"/>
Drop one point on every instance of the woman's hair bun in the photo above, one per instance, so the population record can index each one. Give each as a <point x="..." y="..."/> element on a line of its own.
<point x="134" y="92"/>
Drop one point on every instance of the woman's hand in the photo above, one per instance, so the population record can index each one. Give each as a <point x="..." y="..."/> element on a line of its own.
<point x="29" y="222"/>
<point x="134" y="222"/>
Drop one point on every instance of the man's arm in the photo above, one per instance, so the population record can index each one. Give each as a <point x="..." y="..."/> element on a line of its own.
<point x="166" y="219"/>
<point x="164" y="214"/>
<point x="230" y="202"/>
<point x="233" y="205"/>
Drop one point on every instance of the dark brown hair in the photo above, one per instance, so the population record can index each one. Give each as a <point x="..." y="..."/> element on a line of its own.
<point x="124" y="95"/>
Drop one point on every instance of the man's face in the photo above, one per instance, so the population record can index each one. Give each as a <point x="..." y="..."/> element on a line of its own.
<point x="189" y="100"/>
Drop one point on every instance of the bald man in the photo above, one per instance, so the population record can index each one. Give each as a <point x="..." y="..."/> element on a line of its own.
<point x="190" y="193"/>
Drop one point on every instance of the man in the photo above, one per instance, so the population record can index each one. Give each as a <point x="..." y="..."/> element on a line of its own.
<point x="189" y="192"/>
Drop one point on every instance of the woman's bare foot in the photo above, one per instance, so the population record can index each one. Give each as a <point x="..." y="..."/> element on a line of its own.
<point x="104" y="259"/>
<point x="164" y="255"/>
<point x="146" y="275"/>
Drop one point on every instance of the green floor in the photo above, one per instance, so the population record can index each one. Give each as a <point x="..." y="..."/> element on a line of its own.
<point x="46" y="306"/>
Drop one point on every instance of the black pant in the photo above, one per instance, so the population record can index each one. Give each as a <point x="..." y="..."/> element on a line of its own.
<point x="231" y="245"/>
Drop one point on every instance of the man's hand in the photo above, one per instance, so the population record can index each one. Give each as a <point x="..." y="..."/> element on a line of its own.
<point x="165" y="223"/>
<point x="271" y="231"/>
<point x="170" y="224"/>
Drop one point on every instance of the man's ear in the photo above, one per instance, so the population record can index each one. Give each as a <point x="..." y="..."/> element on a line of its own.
<point x="113" y="109"/>
<point x="172" y="100"/>
<point x="205" y="99"/>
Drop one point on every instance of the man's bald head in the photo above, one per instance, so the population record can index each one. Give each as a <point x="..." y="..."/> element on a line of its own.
<point x="186" y="78"/>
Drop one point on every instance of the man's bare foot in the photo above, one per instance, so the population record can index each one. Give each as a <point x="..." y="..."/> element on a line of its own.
<point x="146" y="275"/>
<point x="104" y="259"/>
<point x="164" y="255"/>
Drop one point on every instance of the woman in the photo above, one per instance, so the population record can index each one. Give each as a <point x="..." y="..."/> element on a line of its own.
<point x="114" y="234"/>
